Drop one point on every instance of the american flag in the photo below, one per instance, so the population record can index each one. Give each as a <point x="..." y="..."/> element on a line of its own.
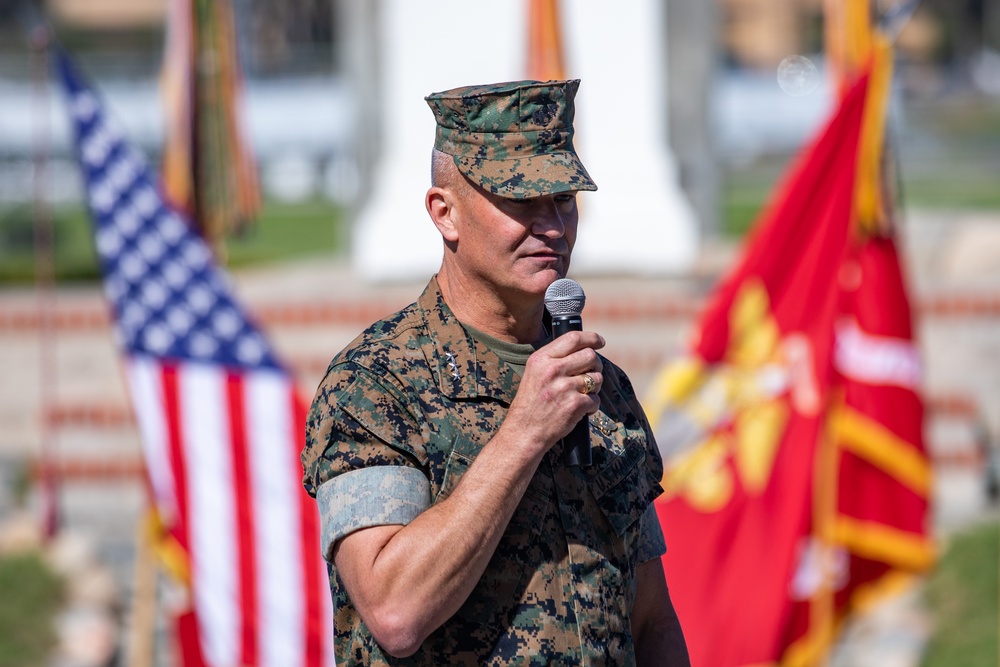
<point x="220" y="419"/>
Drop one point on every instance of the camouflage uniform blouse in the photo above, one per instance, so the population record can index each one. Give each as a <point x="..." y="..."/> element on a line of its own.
<point x="397" y="421"/>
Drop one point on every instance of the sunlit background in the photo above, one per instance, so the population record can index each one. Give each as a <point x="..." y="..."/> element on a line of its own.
<point x="748" y="86"/>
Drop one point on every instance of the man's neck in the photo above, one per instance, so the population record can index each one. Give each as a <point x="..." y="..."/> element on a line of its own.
<point x="512" y="320"/>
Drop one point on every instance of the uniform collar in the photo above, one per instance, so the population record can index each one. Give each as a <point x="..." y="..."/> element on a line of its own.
<point x="465" y="367"/>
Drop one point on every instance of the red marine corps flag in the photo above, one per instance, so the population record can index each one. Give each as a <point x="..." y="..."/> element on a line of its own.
<point x="796" y="481"/>
<point x="220" y="419"/>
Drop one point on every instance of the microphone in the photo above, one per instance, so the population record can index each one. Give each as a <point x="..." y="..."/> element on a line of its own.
<point x="564" y="299"/>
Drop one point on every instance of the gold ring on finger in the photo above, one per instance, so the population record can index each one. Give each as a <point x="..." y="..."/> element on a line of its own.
<point x="589" y="386"/>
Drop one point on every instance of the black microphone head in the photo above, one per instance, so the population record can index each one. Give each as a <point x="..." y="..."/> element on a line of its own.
<point x="564" y="297"/>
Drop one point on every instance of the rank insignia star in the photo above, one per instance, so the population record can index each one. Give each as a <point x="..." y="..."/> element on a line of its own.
<point x="452" y="366"/>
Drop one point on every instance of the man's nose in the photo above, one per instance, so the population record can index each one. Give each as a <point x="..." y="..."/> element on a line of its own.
<point x="548" y="220"/>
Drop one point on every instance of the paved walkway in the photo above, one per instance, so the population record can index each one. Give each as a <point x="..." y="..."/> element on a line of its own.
<point x="312" y="308"/>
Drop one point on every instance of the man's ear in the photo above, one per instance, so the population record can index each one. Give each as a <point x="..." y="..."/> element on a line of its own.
<point x="440" y="204"/>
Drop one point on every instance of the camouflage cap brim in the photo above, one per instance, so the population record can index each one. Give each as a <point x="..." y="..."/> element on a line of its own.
<point x="524" y="177"/>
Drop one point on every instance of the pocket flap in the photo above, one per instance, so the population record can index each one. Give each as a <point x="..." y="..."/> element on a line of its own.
<point x="623" y="488"/>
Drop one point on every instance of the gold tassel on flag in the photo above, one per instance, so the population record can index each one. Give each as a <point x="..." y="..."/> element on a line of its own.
<point x="853" y="43"/>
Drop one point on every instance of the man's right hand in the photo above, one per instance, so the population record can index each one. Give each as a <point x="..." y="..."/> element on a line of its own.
<point x="550" y="399"/>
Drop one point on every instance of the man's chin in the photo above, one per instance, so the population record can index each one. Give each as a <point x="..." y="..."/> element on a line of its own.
<point x="559" y="271"/>
<point x="540" y="277"/>
<point x="544" y="279"/>
<point x="555" y="275"/>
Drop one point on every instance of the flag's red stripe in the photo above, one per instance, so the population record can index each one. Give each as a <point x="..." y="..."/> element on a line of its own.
<point x="172" y="410"/>
<point x="243" y="505"/>
<point x="315" y="630"/>
<point x="188" y="637"/>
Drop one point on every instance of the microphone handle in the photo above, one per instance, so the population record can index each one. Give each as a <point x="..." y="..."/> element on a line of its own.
<point x="576" y="444"/>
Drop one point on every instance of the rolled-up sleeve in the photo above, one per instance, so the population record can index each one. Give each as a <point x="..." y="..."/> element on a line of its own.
<point x="379" y="496"/>
<point x="363" y="457"/>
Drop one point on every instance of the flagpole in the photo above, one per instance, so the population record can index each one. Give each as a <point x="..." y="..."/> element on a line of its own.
<point x="40" y="39"/>
<point x="848" y="38"/>
<point x="833" y="38"/>
<point x="825" y="478"/>
<point x="545" y="52"/>
<point x="141" y="644"/>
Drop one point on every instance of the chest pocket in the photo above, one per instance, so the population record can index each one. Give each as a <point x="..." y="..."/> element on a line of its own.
<point x="492" y="598"/>
<point x="622" y="482"/>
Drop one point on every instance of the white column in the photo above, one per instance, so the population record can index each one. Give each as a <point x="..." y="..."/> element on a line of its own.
<point x="637" y="222"/>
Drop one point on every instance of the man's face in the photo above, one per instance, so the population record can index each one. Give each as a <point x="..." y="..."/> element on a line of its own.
<point x="517" y="246"/>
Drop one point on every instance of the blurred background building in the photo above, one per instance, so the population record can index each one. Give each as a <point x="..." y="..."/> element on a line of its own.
<point x="288" y="57"/>
<point x="294" y="52"/>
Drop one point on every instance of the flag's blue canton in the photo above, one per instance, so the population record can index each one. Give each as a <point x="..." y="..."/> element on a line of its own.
<point x="169" y="298"/>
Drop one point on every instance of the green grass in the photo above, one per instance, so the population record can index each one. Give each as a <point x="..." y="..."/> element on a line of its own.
<point x="745" y="193"/>
<point x="281" y="232"/>
<point x="949" y="185"/>
<point x="949" y="158"/>
<point x="967" y="118"/>
<point x="747" y="188"/>
<point x="74" y="246"/>
<point x="962" y="594"/>
<point x="962" y="189"/>
<point x="30" y="595"/>
<point x="285" y="231"/>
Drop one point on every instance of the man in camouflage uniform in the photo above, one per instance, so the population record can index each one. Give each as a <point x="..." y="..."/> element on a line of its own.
<point x="457" y="533"/>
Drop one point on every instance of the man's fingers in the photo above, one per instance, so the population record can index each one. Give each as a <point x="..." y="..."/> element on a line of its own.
<point x="572" y="341"/>
<point x="574" y="353"/>
<point x="582" y="361"/>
